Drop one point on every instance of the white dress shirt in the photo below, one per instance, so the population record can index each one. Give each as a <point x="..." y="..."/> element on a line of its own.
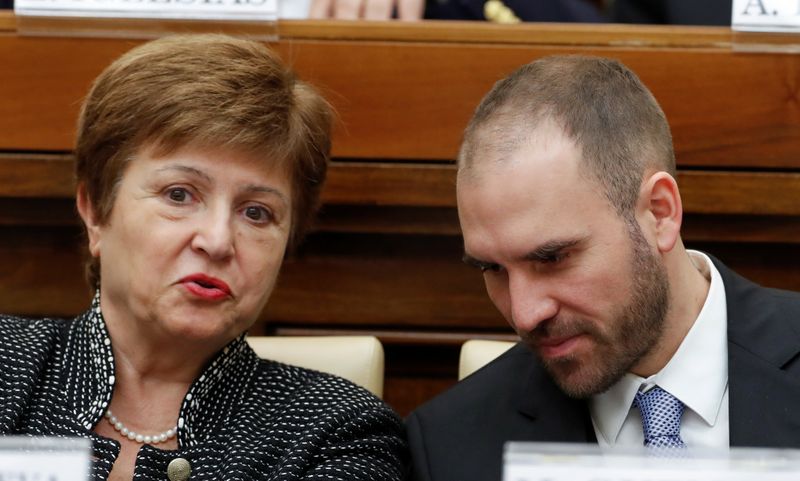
<point x="697" y="375"/>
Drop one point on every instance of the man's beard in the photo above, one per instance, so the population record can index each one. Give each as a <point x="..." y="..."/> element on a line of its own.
<point x="638" y="327"/>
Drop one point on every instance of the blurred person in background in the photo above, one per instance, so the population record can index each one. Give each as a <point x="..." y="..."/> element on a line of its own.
<point x="668" y="12"/>
<point x="501" y="11"/>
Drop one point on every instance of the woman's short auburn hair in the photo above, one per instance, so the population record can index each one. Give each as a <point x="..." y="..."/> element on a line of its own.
<point x="201" y="91"/>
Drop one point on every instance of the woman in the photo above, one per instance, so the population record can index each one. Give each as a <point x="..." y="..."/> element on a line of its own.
<point x="199" y="161"/>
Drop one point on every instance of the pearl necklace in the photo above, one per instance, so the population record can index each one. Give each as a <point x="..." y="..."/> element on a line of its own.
<point x="139" y="438"/>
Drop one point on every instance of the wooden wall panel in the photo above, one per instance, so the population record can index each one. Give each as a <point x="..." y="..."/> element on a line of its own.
<point x="405" y="99"/>
<point x="432" y="185"/>
<point x="417" y="284"/>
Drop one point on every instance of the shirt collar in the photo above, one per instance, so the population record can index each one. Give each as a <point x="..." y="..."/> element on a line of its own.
<point x="697" y="374"/>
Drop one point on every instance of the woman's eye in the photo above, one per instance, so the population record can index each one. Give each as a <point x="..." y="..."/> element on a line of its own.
<point x="178" y="195"/>
<point x="258" y="214"/>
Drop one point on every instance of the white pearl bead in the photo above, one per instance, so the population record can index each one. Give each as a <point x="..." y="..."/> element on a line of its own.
<point x="139" y="438"/>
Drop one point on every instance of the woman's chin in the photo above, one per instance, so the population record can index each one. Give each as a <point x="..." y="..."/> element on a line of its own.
<point x="212" y="328"/>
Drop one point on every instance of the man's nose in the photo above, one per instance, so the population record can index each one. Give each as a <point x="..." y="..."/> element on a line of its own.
<point x="531" y="301"/>
<point x="214" y="236"/>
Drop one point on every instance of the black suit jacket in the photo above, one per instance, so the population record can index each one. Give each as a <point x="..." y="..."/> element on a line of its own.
<point x="459" y="436"/>
<point x="672" y="12"/>
<point x="525" y="10"/>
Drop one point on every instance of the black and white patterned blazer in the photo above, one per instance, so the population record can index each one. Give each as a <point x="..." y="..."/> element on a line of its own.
<point x="243" y="419"/>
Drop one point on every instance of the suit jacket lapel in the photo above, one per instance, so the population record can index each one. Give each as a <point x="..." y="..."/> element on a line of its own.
<point x="762" y="342"/>
<point x="554" y="416"/>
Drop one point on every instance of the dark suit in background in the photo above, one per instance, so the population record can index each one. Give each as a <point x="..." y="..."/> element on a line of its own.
<point x="526" y="10"/>
<point x="672" y="12"/>
<point x="459" y="436"/>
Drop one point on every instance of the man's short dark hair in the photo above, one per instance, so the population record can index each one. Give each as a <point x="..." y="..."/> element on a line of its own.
<point x="601" y="105"/>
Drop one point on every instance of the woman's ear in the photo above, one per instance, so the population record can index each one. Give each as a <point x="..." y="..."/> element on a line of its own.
<point x="86" y="211"/>
<point x="660" y="198"/>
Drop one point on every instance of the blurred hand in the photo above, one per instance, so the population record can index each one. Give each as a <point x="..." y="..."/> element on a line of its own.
<point x="366" y="9"/>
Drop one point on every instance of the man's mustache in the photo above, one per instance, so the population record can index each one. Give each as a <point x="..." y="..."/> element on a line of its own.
<point x="558" y="328"/>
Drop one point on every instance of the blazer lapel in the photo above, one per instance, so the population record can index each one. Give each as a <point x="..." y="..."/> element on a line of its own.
<point x="762" y="342"/>
<point x="553" y="416"/>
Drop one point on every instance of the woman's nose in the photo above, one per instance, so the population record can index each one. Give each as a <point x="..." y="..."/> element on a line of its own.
<point x="214" y="235"/>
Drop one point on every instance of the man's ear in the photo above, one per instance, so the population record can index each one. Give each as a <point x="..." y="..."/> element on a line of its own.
<point x="660" y="202"/>
<point x="86" y="211"/>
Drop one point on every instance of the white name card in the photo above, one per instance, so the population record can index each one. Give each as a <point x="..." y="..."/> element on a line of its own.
<point x="571" y="462"/>
<point x="44" y="459"/>
<point x="766" y="15"/>
<point x="266" y="10"/>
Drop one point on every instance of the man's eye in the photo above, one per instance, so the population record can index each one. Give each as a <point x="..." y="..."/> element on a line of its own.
<point x="258" y="214"/>
<point x="178" y="195"/>
<point x="554" y="258"/>
<point x="490" y="268"/>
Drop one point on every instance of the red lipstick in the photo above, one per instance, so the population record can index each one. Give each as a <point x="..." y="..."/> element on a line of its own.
<point x="206" y="287"/>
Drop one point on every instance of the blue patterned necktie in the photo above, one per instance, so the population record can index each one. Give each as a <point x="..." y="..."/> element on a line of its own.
<point x="661" y="418"/>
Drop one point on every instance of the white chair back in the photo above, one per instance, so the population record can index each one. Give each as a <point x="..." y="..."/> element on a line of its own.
<point x="476" y="353"/>
<point x="356" y="358"/>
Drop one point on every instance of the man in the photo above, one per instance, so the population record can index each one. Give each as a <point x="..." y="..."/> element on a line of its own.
<point x="569" y="206"/>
